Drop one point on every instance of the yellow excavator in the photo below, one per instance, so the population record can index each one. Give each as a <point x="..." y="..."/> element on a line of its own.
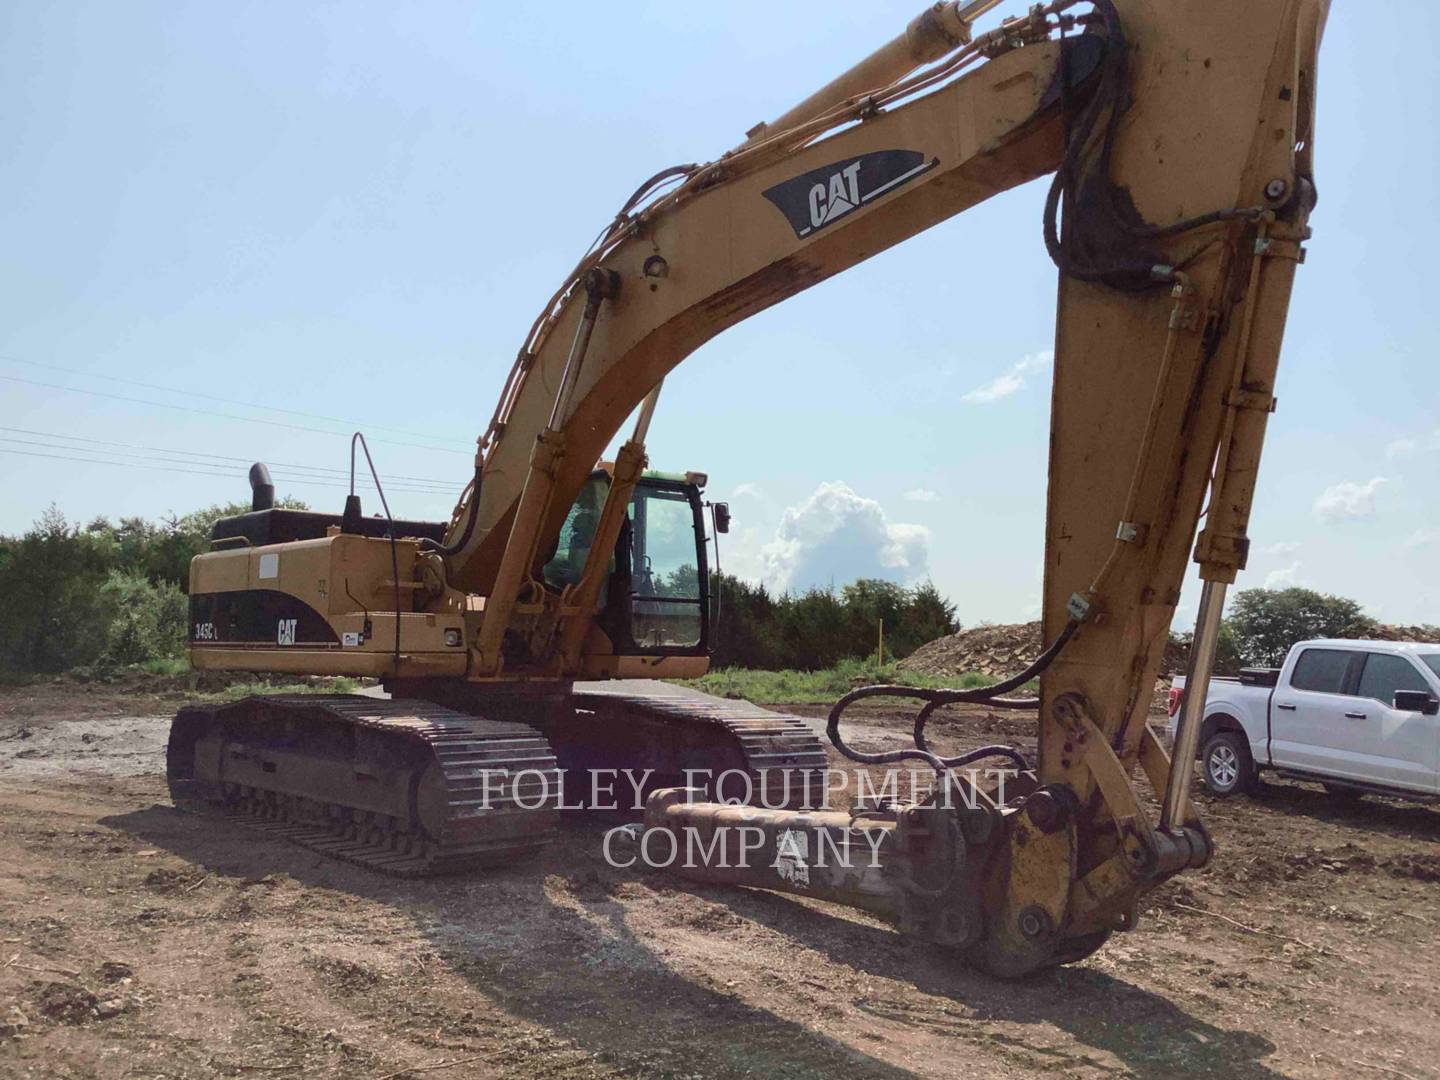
<point x="522" y="642"/>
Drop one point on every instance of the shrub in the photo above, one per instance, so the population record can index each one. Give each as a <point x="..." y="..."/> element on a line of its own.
<point x="819" y="628"/>
<point x="72" y="596"/>
<point x="146" y="619"/>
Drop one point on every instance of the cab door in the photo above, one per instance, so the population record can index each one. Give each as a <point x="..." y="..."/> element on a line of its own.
<point x="1312" y="721"/>
<point x="668" y="582"/>
<point x="1403" y="745"/>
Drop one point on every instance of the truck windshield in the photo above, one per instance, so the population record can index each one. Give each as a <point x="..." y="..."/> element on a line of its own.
<point x="1432" y="661"/>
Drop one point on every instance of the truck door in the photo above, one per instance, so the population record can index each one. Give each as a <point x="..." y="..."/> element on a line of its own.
<point x="1309" y="725"/>
<point x="1402" y="745"/>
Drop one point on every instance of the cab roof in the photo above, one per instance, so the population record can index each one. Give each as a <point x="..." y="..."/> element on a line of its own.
<point x="1416" y="647"/>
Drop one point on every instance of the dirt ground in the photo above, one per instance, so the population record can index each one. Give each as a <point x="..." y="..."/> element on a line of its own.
<point x="136" y="941"/>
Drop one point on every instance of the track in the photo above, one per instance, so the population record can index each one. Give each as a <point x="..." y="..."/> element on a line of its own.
<point x="656" y="734"/>
<point x="781" y="757"/>
<point x="404" y="787"/>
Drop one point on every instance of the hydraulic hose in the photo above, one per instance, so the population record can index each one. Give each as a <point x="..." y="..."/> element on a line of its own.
<point x="934" y="699"/>
<point x="447" y="550"/>
<point x="1135" y="268"/>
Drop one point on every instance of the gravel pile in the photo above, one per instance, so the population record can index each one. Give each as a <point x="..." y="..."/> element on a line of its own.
<point x="987" y="650"/>
<point x="997" y="651"/>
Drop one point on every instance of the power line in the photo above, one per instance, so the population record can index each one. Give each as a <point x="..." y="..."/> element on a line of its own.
<point x="227" y="401"/>
<point x="214" y="412"/>
<point x="331" y="482"/>
<point x="286" y="480"/>
<point x="212" y="468"/>
<point x="335" y="483"/>
<point x="439" y="486"/>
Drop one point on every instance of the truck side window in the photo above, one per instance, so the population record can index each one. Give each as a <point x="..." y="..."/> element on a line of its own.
<point x="1321" y="670"/>
<point x="1385" y="673"/>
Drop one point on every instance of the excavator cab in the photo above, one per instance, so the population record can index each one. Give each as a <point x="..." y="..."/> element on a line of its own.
<point x="657" y="601"/>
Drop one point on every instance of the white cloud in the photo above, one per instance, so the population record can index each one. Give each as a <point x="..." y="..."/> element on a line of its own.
<point x="1422" y="538"/>
<point x="921" y="495"/>
<point x="1408" y="446"/>
<point x="747" y="488"/>
<point x="1283" y="547"/>
<point x="1010" y="381"/>
<point x="1283" y="578"/>
<point x="1347" y="500"/>
<point x="836" y="536"/>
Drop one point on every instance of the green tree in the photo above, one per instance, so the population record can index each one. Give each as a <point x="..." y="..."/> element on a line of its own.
<point x="145" y="620"/>
<point x="927" y="616"/>
<point x="52" y="617"/>
<point x="1228" y="660"/>
<point x="869" y="602"/>
<point x="1266" y="622"/>
<point x="818" y="628"/>
<point x="76" y="594"/>
<point x="745" y="629"/>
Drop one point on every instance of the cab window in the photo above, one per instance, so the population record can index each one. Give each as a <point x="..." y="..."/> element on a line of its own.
<point x="1385" y="673"/>
<point x="666" y="608"/>
<point x="1322" y="670"/>
<point x="577" y="534"/>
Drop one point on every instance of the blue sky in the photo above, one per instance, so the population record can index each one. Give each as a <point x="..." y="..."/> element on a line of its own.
<point x="355" y="210"/>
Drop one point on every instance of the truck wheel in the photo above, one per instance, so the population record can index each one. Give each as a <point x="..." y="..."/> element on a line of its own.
<point x="1226" y="764"/>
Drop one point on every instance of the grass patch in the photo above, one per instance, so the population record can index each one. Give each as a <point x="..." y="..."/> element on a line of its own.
<point x="169" y="667"/>
<point x="821" y="687"/>
<point x="338" y="684"/>
<point x="172" y="676"/>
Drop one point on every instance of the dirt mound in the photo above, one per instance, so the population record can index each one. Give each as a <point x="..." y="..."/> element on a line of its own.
<point x="998" y="651"/>
<point x="1428" y="634"/>
<point x="985" y="650"/>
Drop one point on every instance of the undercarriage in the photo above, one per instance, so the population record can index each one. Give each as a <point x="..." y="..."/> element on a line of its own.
<point x="417" y="787"/>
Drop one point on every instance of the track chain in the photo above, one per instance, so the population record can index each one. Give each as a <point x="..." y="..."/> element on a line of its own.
<point x="487" y="823"/>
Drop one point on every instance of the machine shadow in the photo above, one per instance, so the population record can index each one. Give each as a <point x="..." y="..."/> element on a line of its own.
<point x="1154" y="1037"/>
<point x="589" y="980"/>
<point x="1376" y="814"/>
<point x="594" y="982"/>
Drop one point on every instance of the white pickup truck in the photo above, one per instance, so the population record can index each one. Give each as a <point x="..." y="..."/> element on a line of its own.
<point x="1357" y="716"/>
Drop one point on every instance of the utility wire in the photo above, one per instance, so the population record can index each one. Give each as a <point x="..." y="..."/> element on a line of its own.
<point x="209" y="468"/>
<point x="224" y="400"/>
<point x="215" y="412"/>
<point x="439" y="486"/>
<point x="336" y="483"/>
<point x="221" y="468"/>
